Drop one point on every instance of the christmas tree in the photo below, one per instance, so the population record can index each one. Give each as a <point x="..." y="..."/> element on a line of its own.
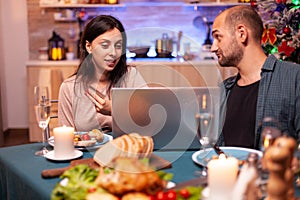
<point x="281" y="35"/>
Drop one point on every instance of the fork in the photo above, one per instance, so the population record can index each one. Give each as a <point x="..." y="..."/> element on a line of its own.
<point x="218" y="150"/>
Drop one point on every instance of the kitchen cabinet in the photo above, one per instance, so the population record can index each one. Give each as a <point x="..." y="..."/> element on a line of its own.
<point x="155" y="72"/>
<point x="183" y="74"/>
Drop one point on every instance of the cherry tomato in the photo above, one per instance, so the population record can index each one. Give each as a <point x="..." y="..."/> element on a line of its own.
<point x="85" y="137"/>
<point x="160" y="195"/>
<point x="184" y="193"/>
<point x="171" y="195"/>
<point x="92" y="189"/>
<point x="152" y="197"/>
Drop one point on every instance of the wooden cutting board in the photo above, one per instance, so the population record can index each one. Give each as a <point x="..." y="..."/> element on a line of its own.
<point x="155" y="161"/>
<point x="52" y="173"/>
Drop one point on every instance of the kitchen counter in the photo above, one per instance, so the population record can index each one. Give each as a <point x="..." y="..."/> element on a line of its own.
<point x="169" y="61"/>
<point x="44" y="63"/>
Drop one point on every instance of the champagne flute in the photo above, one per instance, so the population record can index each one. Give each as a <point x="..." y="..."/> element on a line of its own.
<point x="203" y="121"/>
<point x="42" y="112"/>
<point x="207" y="119"/>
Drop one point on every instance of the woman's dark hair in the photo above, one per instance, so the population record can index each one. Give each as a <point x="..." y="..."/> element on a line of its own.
<point x="98" y="26"/>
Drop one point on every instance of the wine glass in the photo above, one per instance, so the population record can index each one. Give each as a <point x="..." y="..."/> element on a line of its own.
<point x="203" y="121"/>
<point x="42" y="112"/>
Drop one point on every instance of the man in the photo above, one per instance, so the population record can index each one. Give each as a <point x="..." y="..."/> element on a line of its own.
<point x="264" y="86"/>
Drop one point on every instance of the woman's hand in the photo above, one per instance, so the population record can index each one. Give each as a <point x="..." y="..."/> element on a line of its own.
<point x="102" y="105"/>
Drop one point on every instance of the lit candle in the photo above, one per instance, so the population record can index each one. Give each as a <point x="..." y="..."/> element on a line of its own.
<point x="222" y="174"/>
<point x="204" y="102"/>
<point x="111" y="1"/>
<point x="267" y="141"/>
<point x="269" y="134"/>
<point x="63" y="142"/>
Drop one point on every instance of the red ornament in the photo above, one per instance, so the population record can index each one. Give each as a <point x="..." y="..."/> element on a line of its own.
<point x="281" y="1"/>
<point x="269" y="34"/>
<point x="253" y="3"/>
<point x="287" y="30"/>
<point x="284" y="48"/>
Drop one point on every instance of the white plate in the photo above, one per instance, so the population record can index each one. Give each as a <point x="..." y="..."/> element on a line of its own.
<point x="106" y="139"/>
<point x="203" y="157"/>
<point x="50" y="156"/>
<point x="170" y="184"/>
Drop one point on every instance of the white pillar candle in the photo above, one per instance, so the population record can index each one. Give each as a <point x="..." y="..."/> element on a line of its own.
<point x="63" y="142"/>
<point x="222" y="174"/>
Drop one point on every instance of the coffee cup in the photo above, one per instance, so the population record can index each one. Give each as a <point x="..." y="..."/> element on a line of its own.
<point x="70" y="55"/>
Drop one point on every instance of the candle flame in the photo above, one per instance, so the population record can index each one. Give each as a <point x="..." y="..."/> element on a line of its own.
<point x="222" y="156"/>
<point x="266" y="142"/>
<point x="204" y="101"/>
<point x="205" y="122"/>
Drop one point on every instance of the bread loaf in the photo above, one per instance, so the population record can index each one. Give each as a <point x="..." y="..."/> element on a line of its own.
<point x="129" y="145"/>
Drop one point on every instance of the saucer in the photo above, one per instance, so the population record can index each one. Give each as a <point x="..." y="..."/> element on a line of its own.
<point x="50" y="156"/>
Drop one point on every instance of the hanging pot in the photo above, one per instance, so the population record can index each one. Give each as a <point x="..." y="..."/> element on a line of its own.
<point x="164" y="46"/>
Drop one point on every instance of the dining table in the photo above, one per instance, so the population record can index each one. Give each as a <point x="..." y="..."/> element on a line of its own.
<point x="21" y="178"/>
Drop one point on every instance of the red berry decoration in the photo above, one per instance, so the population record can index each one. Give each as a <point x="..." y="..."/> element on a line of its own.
<point x="253" y="3"/>
<point x="281" y="1"/>
<point x="287" y="30"/>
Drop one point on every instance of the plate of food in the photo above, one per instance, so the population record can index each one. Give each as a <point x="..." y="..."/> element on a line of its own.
<point x="87" y="140"/>
<point x="119" y="182"/>
<point x="202" y="157"/>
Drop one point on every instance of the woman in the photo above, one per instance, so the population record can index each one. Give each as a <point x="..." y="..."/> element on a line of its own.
<point x="84" y="98"/>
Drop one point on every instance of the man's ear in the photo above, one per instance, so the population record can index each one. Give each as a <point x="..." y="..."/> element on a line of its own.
<point x="242" y="33"/>
<point x="88" y="46"/>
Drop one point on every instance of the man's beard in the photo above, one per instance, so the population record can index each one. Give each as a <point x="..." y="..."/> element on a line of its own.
<point x="234" y="54"/>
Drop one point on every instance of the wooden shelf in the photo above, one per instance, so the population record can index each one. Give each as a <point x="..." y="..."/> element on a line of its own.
<point x="213" y="4"/>
<point x="64" y="19"/>
<point x="111" y="6"/>
<point x="59" y="5"/>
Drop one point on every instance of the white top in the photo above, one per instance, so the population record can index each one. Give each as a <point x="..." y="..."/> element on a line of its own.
<point x="76" y="110"/>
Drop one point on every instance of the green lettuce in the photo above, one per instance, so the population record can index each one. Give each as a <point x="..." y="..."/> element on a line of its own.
<point x="75" y="183"/>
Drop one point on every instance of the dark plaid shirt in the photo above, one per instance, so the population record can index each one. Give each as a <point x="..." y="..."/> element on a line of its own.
<point x="278" y="96"/>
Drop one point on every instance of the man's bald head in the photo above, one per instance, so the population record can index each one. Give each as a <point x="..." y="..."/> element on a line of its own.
<point x="243" y="15"/>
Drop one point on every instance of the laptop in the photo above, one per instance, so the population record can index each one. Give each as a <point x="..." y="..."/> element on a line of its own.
<point x="167" y="114"/>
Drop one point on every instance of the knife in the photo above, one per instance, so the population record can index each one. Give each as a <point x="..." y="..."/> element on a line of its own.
<point x="202" y="181"/>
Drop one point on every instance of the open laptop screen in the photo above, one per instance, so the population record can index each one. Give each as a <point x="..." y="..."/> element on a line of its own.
<point x="167" y="114"/>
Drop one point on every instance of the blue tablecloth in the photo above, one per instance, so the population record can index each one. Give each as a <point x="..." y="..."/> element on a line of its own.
<point x="20" y="171"/>
<point x="21" y="178"/>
